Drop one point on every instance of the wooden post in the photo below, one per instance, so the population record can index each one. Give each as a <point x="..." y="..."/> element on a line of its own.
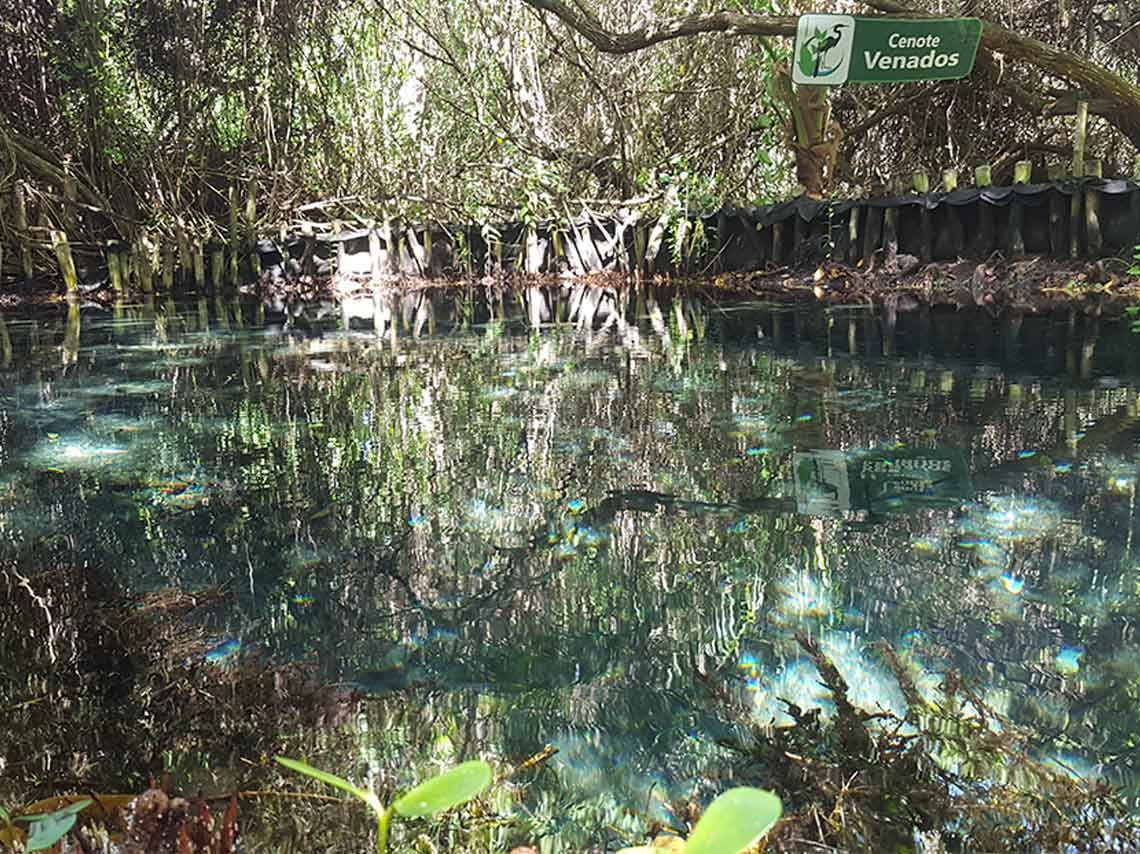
<point x="5" y="343"/>
<point x="66" y="262"/>
<point x="198" y="261"/>
<point x="984" y="239"/>
<point x="167" y="266"/>
<point x="235" y="232"/>
<point x="891" y="228"/>
<point x="853" y="235"/>
<point x="114" y="270"/>
<point x="251" y="227"/>
<point x="144" y="263"/>
<point x="1134" y="201"/>
<point x="777" y="243"/>
<point x="70" y="197"/>
<point x="374" y="252"/>
<point x="340" y="250"/>
<point x="235" y="239"/>
<point x="185" y="250"/>
<point x="233" y="267"/>
<point x="922" y="187"/>
<point x="21" y="213"/>
<point x="308" y="262"/>
<point x="217" y="267"/>
<point x="1079" y="132"/>
<point x="1058" y="242"/>
<point x="799" y="237"/>
<point x="872" y="233"/>
<point x="1016" y="239"/>
<point x="953" y="220"/>
<point x="1094" y="240"/>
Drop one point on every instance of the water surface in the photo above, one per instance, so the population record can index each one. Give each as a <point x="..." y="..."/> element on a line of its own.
<point x="546" y="535"/>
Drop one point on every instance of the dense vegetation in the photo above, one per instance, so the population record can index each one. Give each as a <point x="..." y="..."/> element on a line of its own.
<point x="481" y="111"/>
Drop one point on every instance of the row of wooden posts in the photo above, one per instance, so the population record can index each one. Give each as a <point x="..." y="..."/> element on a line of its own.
<point x="146" y="262"/>
<point x="150" y="264"/>
<point x="867" y="230"/>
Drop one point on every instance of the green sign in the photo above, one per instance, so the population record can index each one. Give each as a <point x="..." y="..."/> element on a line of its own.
<point x="835" y="49"/>
<point x="831" y="482"/>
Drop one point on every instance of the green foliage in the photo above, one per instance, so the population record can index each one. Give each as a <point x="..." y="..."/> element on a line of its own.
<point x="450" y="789"/>
<point x="332" y="780"/>
<point x="47" y="829"/>
<point x="1133" y="312"/>
<point x="434" y="796"/>
<point x="732" y="822"/>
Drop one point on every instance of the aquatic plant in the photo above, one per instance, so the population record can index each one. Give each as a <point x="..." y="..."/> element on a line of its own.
<point x="952" y="770"/>
<point x="46" y="829"/>
<point x="732" y="822"/>
<point x="439" y="794"/>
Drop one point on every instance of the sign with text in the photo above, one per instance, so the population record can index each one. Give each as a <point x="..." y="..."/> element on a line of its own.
<point x="835" y="49"/>
<point x="832" y="482"/>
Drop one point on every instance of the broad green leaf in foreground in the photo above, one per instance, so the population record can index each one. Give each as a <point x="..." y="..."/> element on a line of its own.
<point x="734" y="821"/>
<point x="333" y="780"/>
<point x="450" y="789"/>
<point x="46" y="830"/>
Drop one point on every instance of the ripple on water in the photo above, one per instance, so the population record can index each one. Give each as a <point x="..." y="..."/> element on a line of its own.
<point x="1004" y="519"/>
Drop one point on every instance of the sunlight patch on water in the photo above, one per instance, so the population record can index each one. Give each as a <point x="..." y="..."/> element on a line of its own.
<point x="802" y="595"/>
<point x="871" y="687"/>
<point x="74" y="452"/>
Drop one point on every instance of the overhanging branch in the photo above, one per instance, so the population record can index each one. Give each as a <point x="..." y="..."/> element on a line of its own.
<point x="631" y="41"/>
<point x="1119" y="99"/>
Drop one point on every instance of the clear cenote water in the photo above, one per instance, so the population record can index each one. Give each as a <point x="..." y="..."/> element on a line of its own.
<point x="551" y="532"/>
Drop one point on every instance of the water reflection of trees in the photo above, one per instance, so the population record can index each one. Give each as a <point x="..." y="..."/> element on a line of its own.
<point x="429" y="518"/>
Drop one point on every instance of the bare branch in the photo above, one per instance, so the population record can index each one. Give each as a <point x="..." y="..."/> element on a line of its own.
<point x="729" y="23"/>
<point x="1118" y="95"/>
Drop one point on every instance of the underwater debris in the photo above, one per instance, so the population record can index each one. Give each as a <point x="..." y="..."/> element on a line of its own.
<point x="951" y="771"/>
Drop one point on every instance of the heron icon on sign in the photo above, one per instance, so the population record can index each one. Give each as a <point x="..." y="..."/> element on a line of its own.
<point x="823" y="49"/>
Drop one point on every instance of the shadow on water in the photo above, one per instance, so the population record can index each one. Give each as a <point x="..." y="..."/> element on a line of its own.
<point x="481" y="522"/>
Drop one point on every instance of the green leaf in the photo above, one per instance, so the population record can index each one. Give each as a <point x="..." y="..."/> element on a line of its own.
<point x="47" y="829"/>
<point x="333" y="780"/>
<point x="734" y="821"/>
<point x="71" y="809"/>
<point x="450" y="789"/>
<point x="5" y="816"/>
<point x="806" y="60"/>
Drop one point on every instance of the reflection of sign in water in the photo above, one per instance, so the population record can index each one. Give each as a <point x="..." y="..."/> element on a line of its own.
<point x="822" y="485"/>
<point x="829" y="482"/>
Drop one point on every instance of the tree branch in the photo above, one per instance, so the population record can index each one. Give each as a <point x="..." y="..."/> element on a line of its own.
<point x="1120" y="97"/>
<point x="730" y="23"/>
